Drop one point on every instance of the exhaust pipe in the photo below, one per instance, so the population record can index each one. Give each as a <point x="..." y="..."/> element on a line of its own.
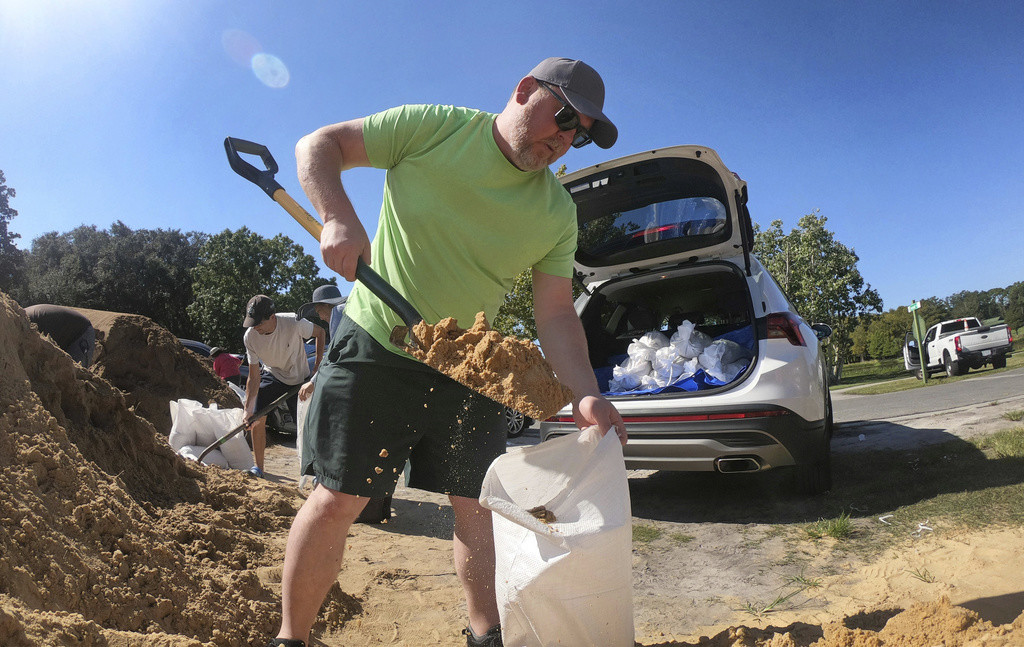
<point x="738" y="464"/>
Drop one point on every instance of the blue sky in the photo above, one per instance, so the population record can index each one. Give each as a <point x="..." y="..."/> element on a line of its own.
<point x="900" y="121"/>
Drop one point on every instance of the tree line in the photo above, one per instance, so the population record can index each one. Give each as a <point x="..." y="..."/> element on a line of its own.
<point x="197" y="285"/>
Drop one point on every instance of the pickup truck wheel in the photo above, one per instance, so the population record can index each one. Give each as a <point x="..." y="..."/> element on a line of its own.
<point x="919" y="374"/>
<point x="999" y="362"/>
<point x="952" y="366"/>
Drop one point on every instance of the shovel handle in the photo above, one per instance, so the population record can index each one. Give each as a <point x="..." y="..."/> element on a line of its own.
<point x="265" y="180"/>
<point x="278" y="401"/>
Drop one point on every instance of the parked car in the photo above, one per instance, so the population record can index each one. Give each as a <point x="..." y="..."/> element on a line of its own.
<point x="958" y="345"/>
<point x="517" y="422"/>
<point x="665" y="242"/>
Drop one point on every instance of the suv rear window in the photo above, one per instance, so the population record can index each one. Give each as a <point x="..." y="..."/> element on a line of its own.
<point x="651" y="209"/>
<point x="653" y="223"/>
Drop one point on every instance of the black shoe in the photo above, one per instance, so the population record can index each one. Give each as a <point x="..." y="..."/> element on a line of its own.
<point x="285" y="642"/>
<point x="490" y="639"/>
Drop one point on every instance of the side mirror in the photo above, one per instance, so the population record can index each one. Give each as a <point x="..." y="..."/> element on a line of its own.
<point x="823" y="331"/>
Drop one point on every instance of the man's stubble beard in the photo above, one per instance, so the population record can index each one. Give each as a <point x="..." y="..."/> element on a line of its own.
<point x="523" y="155"/>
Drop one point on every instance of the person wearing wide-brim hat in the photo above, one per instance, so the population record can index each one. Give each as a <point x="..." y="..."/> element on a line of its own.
<point x="328" y="304"/>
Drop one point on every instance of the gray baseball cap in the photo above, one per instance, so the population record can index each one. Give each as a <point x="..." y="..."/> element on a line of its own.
<point x="584" y="90"/>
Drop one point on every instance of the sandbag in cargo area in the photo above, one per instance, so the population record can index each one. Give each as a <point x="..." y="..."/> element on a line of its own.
<point x="689" y="329"/>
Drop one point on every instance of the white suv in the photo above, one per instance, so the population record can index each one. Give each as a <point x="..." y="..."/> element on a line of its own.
<point x="664" y="252"/>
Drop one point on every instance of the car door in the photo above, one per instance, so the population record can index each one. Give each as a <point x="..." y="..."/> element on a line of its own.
<point x="911" y="353"/>
<point x="931" y="346"/>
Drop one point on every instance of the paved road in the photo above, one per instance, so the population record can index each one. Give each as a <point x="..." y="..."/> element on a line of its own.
<point x="986" y="387"/>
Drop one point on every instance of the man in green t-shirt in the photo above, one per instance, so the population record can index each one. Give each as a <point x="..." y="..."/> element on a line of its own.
<point x="469" y="203"/>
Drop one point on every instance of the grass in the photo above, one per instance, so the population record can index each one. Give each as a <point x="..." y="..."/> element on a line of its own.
<point x="761" y="609"/>
<point x="1015" y="416"/>
<point x="958" y="484"/>
<point x="888" y="375"/>
<point x="1004" y="444"/>
<point x="873" y="370"/>
<point x="922" y="574"/>
<point x="645" y="534"/>
<point x="837" y="528"/>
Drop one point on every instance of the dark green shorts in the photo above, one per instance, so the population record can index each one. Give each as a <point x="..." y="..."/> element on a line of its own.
<point x="372" y="410"/>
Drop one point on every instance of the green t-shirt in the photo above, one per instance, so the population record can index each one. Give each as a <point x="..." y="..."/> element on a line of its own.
<point x="458" y="220"/>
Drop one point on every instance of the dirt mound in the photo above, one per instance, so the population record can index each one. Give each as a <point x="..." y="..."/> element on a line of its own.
<point x="108" y="537"/>
<point x="922" y="625"/>
<point x="148" y="363"/>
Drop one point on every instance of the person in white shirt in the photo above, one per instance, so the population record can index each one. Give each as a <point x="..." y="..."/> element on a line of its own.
<point x="276" y="340"/>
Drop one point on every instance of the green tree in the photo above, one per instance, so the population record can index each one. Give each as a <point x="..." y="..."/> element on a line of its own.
<point x="235" y="265"/>
<point x="144" y="272"/>
<point x="12" y="259"/>
<point x="887" y="333"/>
<point x="859" y="339"/>
<point x="820" y="276"/>
<point x="1014" y="313"/>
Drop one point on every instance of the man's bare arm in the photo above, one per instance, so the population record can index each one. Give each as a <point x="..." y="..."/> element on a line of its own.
<point x="565" y="347"/>
<point x="321" y="156"/>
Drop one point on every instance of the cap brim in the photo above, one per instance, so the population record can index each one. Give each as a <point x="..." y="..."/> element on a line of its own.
<point x="603" y="132"/>
<point x="307" y="311"/>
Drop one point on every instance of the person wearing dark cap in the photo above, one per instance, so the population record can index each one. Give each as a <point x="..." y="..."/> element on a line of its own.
<point x="68" y="328"/>
<point x="469" y="203"/>
<point x="278" y="341"/>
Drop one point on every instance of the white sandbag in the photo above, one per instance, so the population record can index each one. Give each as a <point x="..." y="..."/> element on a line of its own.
<point x="727" y="372"/>
<point x="720" y="353"/>
<point x="215" y="457"/>
<point x="566" y="582"/>
<point x="300" y="425"/>
<point x="688" y="341"/>
<point x="643" y="348"/>
<point x="627" y="375"/>
<point x="192" y="424"/>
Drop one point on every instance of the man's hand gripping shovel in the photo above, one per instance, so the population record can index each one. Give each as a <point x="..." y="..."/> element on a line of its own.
<point x="265" y="180"/>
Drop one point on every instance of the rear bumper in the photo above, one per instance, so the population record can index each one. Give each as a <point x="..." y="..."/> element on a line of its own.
<point x="982" y="356"/>
<point x="697" y="446"/>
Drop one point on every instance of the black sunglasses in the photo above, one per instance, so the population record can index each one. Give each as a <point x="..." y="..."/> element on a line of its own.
<point x="568" y="119"/>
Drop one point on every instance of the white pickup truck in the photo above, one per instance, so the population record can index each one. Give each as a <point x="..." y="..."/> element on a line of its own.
<point x="957" y="346"/>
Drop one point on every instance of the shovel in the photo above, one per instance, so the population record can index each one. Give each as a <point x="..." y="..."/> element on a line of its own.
<point x="265" y="180"/>
<point x="531" y="388"/>
<point x="278" y="401"/>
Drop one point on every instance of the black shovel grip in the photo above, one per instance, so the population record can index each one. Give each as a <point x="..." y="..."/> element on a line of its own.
<point x="263" y="179"/>
<point x="387" y="294"/>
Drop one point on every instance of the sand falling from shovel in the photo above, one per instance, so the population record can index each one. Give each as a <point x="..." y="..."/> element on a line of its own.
<point x="508" y="370"/>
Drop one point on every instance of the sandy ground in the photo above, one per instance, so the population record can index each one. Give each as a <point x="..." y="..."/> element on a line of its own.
<point x="108" y="538"/>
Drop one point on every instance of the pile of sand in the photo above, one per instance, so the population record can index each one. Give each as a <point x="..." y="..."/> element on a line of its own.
<point x="108" y="538"/>
<point x="923" y="625"/>
<point x="508" y="370"/>
<point x="146" y="362"/>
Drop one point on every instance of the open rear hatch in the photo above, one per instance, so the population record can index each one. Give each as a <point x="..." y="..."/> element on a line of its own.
<point x="658" y="209"/>
<point x="653" y="230"/>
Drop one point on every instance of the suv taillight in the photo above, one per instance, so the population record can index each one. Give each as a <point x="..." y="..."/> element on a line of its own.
<point x="1009" y="333"/>
<point x="956" y="343"/>
<point x="785" y="325"/>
